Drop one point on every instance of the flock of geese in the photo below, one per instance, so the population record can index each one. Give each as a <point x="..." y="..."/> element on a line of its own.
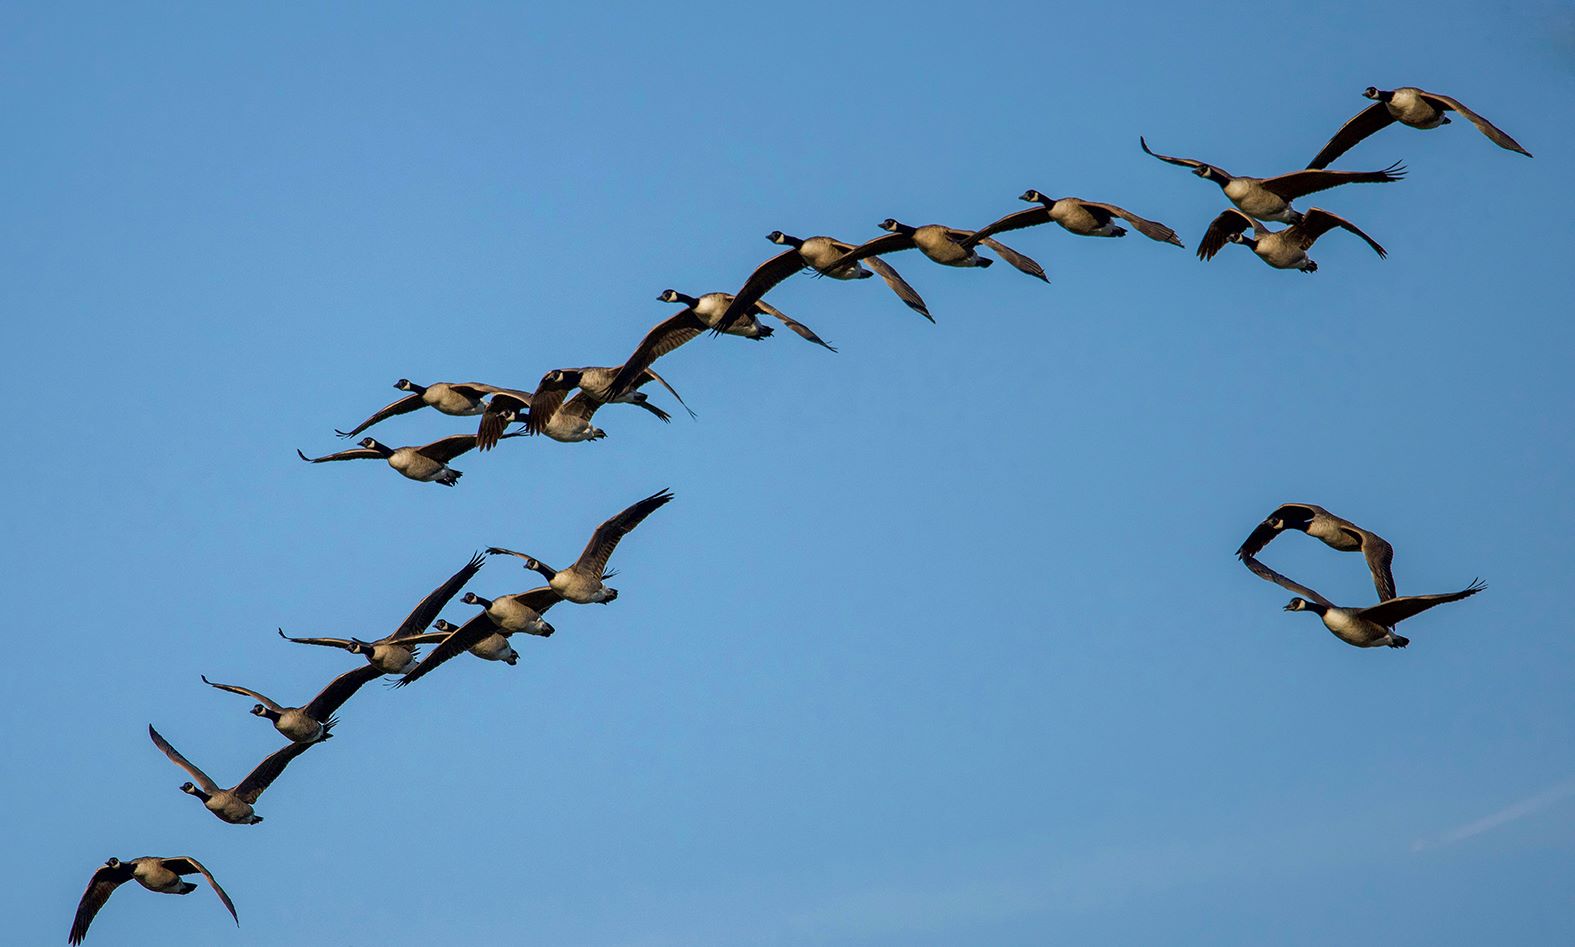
<point x="549" y="410"/>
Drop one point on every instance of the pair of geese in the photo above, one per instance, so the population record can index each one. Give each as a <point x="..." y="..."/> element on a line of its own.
<point x="485" y="635"/>
<point x="1369" y="627"/>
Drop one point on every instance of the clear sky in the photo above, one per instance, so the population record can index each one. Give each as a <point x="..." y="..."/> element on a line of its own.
<point x="942" y="640"/>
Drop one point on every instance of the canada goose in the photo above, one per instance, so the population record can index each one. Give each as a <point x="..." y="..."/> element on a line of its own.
<point x="396" y="653"/>
<point x="460" y="399"/>
<point x="582" y="582"/>
<point x="315" y="720"/>
<point x="1334" y="532"/>
<point x="486" y="634"/>
<point x="596" y="383"/>
<point x="427" y="463"/>
<point x="1270" y="198"/>
<point x="945" y="245"/>
<point x="1407" y="105"/>
<point x="1282" y="249"/>
<point x="699" y="314"/>
<point x="1075" y="215"/>
<point x="569" y="423"/>
<point x="1367" y="627"/>
<point x="818" y="254"/>
<point x="156" y="874"/>
<point x="232" y="805"/>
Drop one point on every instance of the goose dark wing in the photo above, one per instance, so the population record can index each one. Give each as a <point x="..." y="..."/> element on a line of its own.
<point x="900" y="286"/>
<point x="800" y="329"/>
<point x="325" y="642"/>
<point x="1152" y="229"/>
<point x="186" y="865"/>
<point x="1495" y="134"/>
<point x="503" y="409"/>
<point x="1364" y="123"/>
<point x="426" y="611"/>
<point x="356" y="453"/>
<point x="1032" y="217"/>
<point x="100" y="887"/>
<point x="339" y="690"/>
<point x="267" y="771"/>
<point x="448" y="448"/>
<point x="668" y="334"/>
<point x="650" y="373"/>
<point x="1264" y="572"/>
<point x="1228" y="224"/>
<point x="1317" y="222"/>
<point x="549" y="394"/>
<point x="197" y="775"/>
<point x="1397" y="610"/>
<point x="760" y="282"/>
<point x="1300" y="183"/>
<point x="457" y="642"/>
<point x="244" y="692"/>
<point x="1184" y="162"/>
<point x="593" y="561"/>
<point x="1022" y="261"/>
<point x="404" y="405"/>
<point x="1380" y="557"/>
<point x="888" y="243"/>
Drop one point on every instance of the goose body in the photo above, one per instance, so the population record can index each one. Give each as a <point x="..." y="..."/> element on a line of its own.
<point x="947" y="246"/>
<point x="1078" y="216"/>
<point x="458" y="399"/>
<point x="1282" y="249"/>
<point x="161" y="875"/>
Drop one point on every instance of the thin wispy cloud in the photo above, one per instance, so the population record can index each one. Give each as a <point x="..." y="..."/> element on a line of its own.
<point x="1510" y="813"/>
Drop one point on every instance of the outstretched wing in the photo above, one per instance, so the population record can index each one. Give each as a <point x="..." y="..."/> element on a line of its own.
<point x="1184" y="162"/>
<point x="1495" y="134"/>
<point x="1317" y="222"/>
<point x="502" y="409"/>
<point x="1264" y="572"/>
<point x="1228" y="224"/>
<point x="761" y="281"/>
<point x="900" y="286"/>
<point x="668" y="334"/>
<point x="186" y="865"/>
<point x="1364" y="123"/>
<point x="593" y="561"/>
<point x="197" y="775"/>
<point x="235" y="689"/>
<point x="1017" y="220"/>
<point x="267" y="771"/>
<point x="355" y="453"/>
<point x="404" y="405"/>
<point x="1397" y="610"/>
<point x="325" y="642"/>
<point x="1152" y="229"/>
<point x="888" y="243"/>
<point x="651" y="374"/>
<point x="1380" y="557"/>
<point x="1300" y="183"/>
<point x="800" y="329"/>
<point x="1264" y="532"/>
<point x="100" y="887"/>
<point x="426" y="611"/>
<point x="458" y="641"/>
<point x="448" y="448"/>
<point x="332" y="697"/>
<point x="1022" y="261"/>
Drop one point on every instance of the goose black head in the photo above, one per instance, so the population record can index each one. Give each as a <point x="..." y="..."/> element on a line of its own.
<point x="1034" y="197"/>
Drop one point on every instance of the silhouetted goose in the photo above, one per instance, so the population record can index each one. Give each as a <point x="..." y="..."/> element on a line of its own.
<point x="162" y="875"/>
<point x="459" y="399"/>
<point x="1075" y="215"/>
<point x="582" y="582"/>
<point x="1270" y="198"/>
<point x="315" y="720"/>
<point x="396" y="653"/>
<point x="699" y="314"/>
<point x="487" y="634"/>
<point x="945" y="245"/>
<point x="427" y="463"/>
<point x="1367" y="627"/>
<point x="817" y="254"/>
<point x="1334" y="532"/>
<point x="1407" y="105"/>
<point x="595" y="383"/>
<point x="1282" y="249"/>
<point x="232" y="805"/>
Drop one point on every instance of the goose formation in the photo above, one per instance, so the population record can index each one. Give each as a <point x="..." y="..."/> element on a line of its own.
<point x="563" y="403"/>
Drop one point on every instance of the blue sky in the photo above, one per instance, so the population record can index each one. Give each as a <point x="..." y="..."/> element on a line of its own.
<point x="942" y="640"/>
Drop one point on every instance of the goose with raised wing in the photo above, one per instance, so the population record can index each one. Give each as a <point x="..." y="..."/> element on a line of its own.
<point x="1270" y="198"/>
<point x="947" y="246"/>
<point x="584" y="582"/>
<point x="313" y="721"/>
<point x="487" y="633"/>
<point x="459" y="399"/>
<point x="161" y="875"/>
<point x="428" y="463"/>
<point x="1080" y="217"/>
<point x="817" y="254"/>
<point x="1282" y="249"/>
<point x="1411" y="106"/>
<point x="396" y="653"/>
<point x="1333" y="531"/>
<point x="232" y="805"/>
<point x="1369" y="627"/>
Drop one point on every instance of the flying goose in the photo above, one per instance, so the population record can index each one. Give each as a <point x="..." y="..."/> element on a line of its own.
<point x="232" y="805"/>
<point x="945" y="245"/>
<point x="817" y="254"/>
<point x="582" y="583"/>
<point x="460" y="399"/>
<point x="315" y="720"/>
<point x="1407" y="105"/>
<point x="699" y="314"/>
<point x="1270" y="198"/>
<point x="487" y="634"/>
<point x="596" y="383"/>
<point x="162" y="875"/>
<point x="1367" y="627"/>
<point x="1333" y="531"/>
<point x="1075" y="215"/>
<point x="396" y="653"/>
<point x="1282" y="249"/>
<point x="427" y="463"/>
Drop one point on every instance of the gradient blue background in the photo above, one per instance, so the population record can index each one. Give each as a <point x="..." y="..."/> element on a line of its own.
<point x="942" y="641"/>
